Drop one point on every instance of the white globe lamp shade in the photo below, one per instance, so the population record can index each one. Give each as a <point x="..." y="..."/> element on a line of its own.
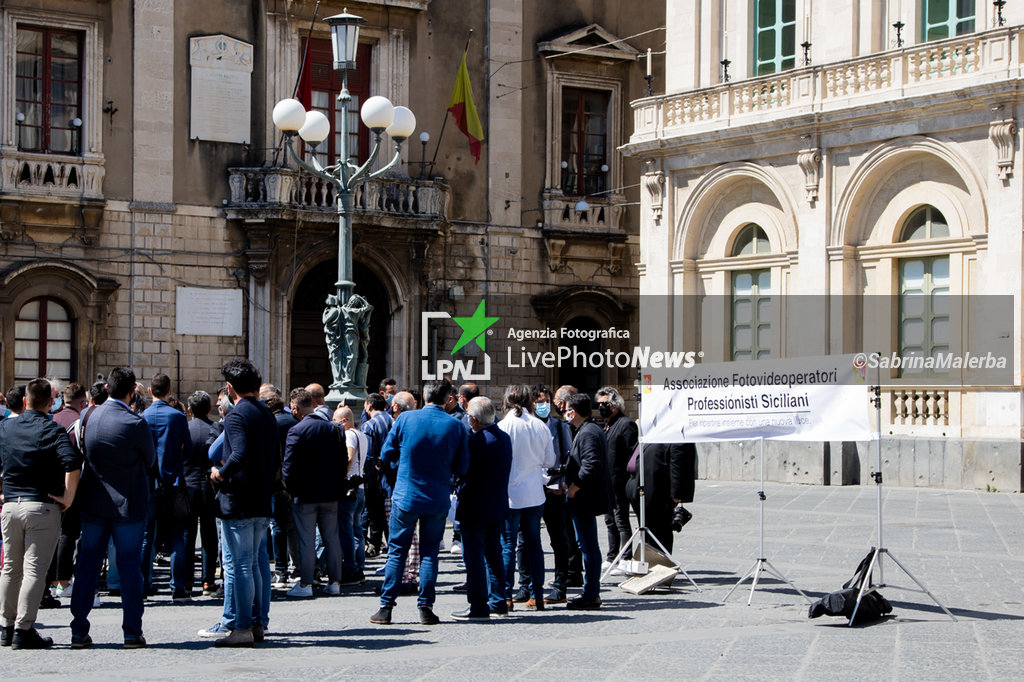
<point x="377" y="113"/>
<point x="316" y="128"/>
<point x="403" y="125"/>
<point x="289" y="115"/>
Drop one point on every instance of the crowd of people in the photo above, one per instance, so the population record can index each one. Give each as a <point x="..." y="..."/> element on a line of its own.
<point x="282" y="491"/>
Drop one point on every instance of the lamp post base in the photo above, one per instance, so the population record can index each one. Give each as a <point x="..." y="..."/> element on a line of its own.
<point x="346" y="395"/>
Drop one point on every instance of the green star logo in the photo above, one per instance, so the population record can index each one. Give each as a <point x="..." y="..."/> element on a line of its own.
<point x="473" y="328"/>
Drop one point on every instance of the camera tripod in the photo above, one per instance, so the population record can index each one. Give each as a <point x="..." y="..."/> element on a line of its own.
<point x="642" y="533"/>
<point x="878" y="553"/>
<point x="762" y="565"/>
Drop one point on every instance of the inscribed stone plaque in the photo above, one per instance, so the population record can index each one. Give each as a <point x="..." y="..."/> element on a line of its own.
<point x="208" y="312"/>
<point x="221" y="89"/>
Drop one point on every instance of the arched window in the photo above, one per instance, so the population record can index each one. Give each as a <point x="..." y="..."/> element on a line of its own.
<point x="925" y="223"/>
<point x="751" y="298"/>
<point x="751" y="241"/>
<point x="924" y="290"/>
<point x="43" y="341"/>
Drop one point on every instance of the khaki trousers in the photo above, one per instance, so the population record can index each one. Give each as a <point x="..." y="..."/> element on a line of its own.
<point x="30" y="531"/>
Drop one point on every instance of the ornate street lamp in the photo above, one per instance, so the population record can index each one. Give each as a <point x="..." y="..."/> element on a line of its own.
<point x="346" y="317"/>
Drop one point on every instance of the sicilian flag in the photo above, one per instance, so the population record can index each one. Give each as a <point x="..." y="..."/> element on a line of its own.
<point x="462" y="108"/>
<point x="305" y="89"/>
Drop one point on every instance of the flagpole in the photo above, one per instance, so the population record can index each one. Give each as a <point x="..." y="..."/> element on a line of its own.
<point x="298" y="79"/>
<point x="447" y="112"/>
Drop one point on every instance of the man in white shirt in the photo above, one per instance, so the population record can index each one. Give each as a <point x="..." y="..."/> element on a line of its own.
<point x="532" y="455"/>
<point x="350" y="507"/>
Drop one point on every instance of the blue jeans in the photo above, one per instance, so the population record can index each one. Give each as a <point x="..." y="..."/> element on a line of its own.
<point x="127" y="537"/>
<point x="485" y="565"/>
<point x="350" y="530"/>
<point x="113" y="579"/>
<point x="586" y="536"/>
<point x="246" y="572"/>
<point x="400" y="530"/>
<point x="528" y="520"/>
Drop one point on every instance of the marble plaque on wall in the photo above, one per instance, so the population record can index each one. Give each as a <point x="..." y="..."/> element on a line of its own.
<point x="221" y="89"/>
<point x="208" y="312"/>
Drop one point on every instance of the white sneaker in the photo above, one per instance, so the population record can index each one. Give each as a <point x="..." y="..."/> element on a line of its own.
<point x="300" y="590"/>
<point x="334" y="589"/>
<point x="605" y="565"/>
<point x="456" y="548"/>
<point x="218" y="630"/>
<point x="65" y="593"/>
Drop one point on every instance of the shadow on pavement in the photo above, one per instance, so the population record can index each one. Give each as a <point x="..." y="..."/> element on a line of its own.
<point x="959" y="613"/>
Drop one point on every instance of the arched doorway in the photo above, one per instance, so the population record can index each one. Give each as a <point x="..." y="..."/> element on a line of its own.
<point x="309" y="348"/>
<point x="585" y="379"/>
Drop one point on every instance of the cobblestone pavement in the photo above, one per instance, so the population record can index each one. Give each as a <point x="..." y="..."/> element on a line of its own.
<point x="966" y="547"/>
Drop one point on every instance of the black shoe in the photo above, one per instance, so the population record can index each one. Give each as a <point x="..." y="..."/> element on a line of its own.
<point x="6" y="635"/>
<point x="382" y="617"/>
<point x="501" y="612"/>
<point x="49" y="601"/>
<point x="83" y="642"/>
<point x="114" y="592"/>
<point x="464" y="587"/>
<point x="584" y="604"/>
<point x="354" y="579"/>
<point x="521" y="595"/>
<point x="181" y="596"/>
<point x="258" y="634"/>
<point x="554" y="596"/>
<point x="574" y="580"/>
<point x="428" y="617"/>
<point x="30" y="639"/>
<point x="469" y="614"/>
<point x="134" y="642"/>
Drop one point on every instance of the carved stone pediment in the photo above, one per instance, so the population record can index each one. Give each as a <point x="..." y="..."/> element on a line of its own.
<point x="593" y="41"/>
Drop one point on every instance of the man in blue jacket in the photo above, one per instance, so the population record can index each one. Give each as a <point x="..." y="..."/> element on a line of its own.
<point x="245" y="484"/>
<point x="173" y="445"/>
<point x="428" y="447"/>
<point x="483" y="507"/>
<point x="114" y="502"/>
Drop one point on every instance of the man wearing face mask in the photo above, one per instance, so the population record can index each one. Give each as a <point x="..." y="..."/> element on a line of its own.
<point x="622" y="435"/>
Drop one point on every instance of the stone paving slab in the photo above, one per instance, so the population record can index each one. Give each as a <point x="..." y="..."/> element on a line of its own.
<point x="966" y="547"/>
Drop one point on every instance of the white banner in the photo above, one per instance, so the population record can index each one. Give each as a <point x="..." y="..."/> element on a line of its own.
<point x="800" y="399"/>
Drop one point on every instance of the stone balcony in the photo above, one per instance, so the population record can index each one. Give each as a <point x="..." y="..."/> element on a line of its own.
<point x="982" y="60"/>
<point x="40" y="190"/>
<point x="286" y="193"/>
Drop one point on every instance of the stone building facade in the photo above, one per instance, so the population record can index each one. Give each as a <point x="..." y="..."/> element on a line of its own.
<point x="848" y="151"/>
<point x="137" y="200"/>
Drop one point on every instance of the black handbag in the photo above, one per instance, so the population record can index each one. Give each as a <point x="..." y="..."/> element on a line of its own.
<point x="842" y="602"/>
<point x="175" y="502"/>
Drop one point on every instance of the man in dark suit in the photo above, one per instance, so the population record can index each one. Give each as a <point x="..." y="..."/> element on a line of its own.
<point x="482" y="510"/>
<point x="173" y="445"/>
<point x="245" y="485"/>
<point x="669" y="473"/>
<point x="428" y="447"/>
<point x="314" y="473"/>
<point x="282" y="527"/>
<point x="114" y="499"/>
<point x="622" y="436"/>
<point x="589" y="494"/>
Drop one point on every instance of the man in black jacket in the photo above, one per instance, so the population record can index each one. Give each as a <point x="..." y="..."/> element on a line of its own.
<point x="197" y="479"/>
<point x="40" y="476"/>
<point x="589" y="493"/>
<point x="314" y="471"/>
<point x="245" y="484"/>
<point x="622" y="435"/>
<point x="669" y="473"/>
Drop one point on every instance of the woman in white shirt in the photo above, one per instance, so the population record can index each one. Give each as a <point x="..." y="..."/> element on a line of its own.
<point x="532" y="456"/>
